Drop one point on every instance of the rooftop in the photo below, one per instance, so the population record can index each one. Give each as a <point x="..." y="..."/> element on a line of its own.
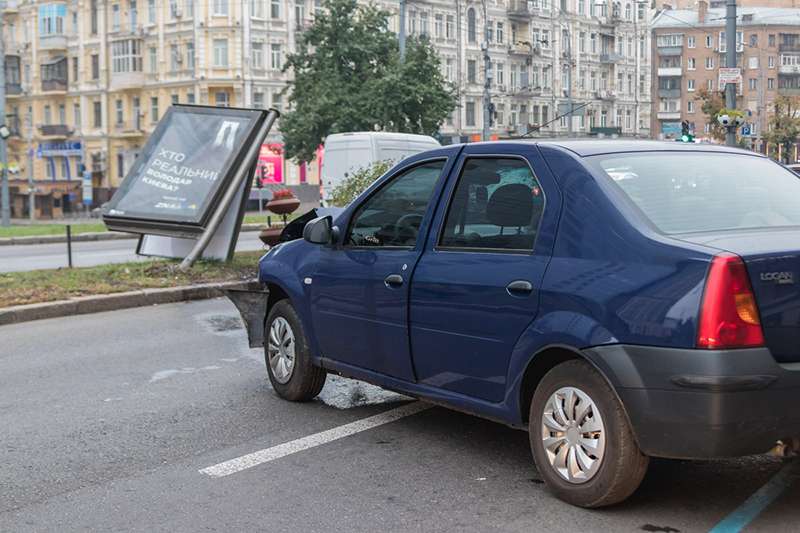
<point x="747" y="16"/>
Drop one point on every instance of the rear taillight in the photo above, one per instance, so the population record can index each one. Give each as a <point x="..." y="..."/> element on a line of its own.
<point x="728" y="314"/>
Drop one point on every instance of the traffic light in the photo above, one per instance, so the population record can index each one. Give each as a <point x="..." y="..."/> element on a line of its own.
<point x="686" y="135"/>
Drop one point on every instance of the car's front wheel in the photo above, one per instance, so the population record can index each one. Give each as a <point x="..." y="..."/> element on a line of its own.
<point x="288" y="357"/>
<point x="581" y="440"/>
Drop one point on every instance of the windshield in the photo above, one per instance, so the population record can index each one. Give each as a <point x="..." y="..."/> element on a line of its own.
<point x="701" y="191"/>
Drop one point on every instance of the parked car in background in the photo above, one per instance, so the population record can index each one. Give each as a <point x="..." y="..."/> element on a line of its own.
<point x="346" y="153"/>
<point x="794" y="167"/>
<point x="618" y="300"/>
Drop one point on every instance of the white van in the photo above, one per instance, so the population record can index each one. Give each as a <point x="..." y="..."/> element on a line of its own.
<point x="346" y="153"/>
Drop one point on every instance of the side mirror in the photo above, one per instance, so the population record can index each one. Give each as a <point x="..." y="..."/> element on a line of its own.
<point x="319" y="230"/>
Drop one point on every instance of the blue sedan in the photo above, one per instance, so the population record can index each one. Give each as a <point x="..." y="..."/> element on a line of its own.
<point x="617" y="300"/>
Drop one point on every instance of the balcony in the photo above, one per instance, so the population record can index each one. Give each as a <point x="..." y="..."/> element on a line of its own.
<point x="130" y="129"/>
<point x="789" y="91"/>
<point x="520" y="49"/>
<point x="13" y="89"/>
<point x="54" y="41"/>
<point x="127" y="80"/>
<point x="519" y="9"/>
<point x="606" y="95"/>
<point x="789" y="47"/>
<point x="611" y="57"/>
<point x="54" y="85"/>
<point x="668" y="115"/>
<point x="669" y="50"/>
<point x="669" y="93"/>
<point x="59" y="131"/>
<point x="670" y="71"/>
<point x="789" y="69"/>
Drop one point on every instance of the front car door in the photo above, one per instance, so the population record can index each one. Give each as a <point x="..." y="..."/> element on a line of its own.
<point x="360" y="287"/>
<point x="474" y="290"/>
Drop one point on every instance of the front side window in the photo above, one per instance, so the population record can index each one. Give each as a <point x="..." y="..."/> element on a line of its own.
<point x="697" y="192"/>
<point x="497" y="205"/>
<point x="392" y="216"/>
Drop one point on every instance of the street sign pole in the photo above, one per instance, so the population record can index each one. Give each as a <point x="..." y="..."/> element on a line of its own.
<point x="730" y="62"/>
<point x="5" y="197"/>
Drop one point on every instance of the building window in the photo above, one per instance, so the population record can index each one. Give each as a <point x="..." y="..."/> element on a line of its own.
<point x="771" y="61"/>
<point x="258" y="100"/>
<point x="275" y="9"/>
<point x="190" y="97"/>
<point x="126" y="56"/>
<point x="221" y="53"/>
<point x="472" y="68"/>
<point x="153" y="59"/>
<point x="257" y="55"/>
<point x="51" y="19"/>
<point x="48" y="115"/>
<point x="690" y="85"/>
<point x="753" y="84"/>
<point x="174" y="57"/>
<point x="438" y="25"/>
<point x="276" y="58"/>
<point x="709" y="41"/>
<point x="709" y="63"/>
<point x="752" y="62"/>
<point x="690" y="106"/>
<point x="137" y="111"/>
<point x="692" y="63"/>
<point x="257" y="9"/>
<point x="76" y="115"/>
<point x="120" y="166"/>
<point x="120" y="115"/>
<point x="220" y="8"/>
<point x="449" y="29"/>
<point x="97" y="112"/>
<point x="277" y="101"/>
<point x="75" y="76"/>
<point x="690" y="41"/>
<point x="93" y="16"/>
<point x="500" y="34"/>
<point x="175" y="98"/>
<point x="115" y="17"/>
<point x="132" y="14"/>
<point x="471" y="26"/>
<point x="95" y="67"/>
<point x="190" y="55"/>
<point x="154" y="109"/>
<point x="151" y="11"/>
<point x="770" y="83"/>
<point x="470" y="112"/>
<point x="221" y="99"/>
<point x="771" y="40"/>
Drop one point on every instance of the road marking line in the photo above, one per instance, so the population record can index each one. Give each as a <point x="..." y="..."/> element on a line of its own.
<point x="759" y="500"/>
<point x="317" y="439"/>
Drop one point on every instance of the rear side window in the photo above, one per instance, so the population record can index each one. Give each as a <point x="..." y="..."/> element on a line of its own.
<point x="497" y="205"/>
<point x="696" y="192"/>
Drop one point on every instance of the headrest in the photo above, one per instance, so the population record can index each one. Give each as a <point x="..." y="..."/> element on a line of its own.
<point x="510" y="205"/>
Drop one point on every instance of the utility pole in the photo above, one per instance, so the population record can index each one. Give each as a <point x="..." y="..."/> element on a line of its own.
<point x="402" y="36"/>
<point x="568" y="57"/>
<point x="730" y="61"/>
<point x="487" y="79"/>
<point x="31" y="186"/>
<point x="5" y="198"/>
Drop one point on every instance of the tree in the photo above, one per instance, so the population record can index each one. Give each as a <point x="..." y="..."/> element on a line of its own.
<point x="348" y="77"/>
<point x="357" y="182"/>
<point x="712" y="104"/>
<point x="784" y="125"/>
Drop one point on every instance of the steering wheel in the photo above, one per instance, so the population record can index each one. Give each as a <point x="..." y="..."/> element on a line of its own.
<point x="404" y="222"/>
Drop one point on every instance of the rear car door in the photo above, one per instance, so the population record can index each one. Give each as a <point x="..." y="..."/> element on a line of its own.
<point x="360" y="288"/>
<point x="474" y="290"/>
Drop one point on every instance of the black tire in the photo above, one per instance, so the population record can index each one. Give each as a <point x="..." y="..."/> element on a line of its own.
<point x="305" y="380"/>
<point x="622" y="465"/>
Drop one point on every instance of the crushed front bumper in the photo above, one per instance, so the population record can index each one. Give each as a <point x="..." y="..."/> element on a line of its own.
<point x="251" y="301"/>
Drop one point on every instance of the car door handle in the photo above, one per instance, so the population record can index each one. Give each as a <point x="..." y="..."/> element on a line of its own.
<point x="519" y="287"/>
<point x="393" y="280"/>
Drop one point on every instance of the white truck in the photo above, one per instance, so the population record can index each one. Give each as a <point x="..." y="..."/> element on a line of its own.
<point x="346" y="153"/>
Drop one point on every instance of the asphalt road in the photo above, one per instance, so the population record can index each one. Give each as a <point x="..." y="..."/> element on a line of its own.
<point x="19" y="258"/>
<point x="108" y="419"/>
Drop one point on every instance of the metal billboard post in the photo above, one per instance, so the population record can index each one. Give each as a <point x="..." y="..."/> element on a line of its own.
<point x="242" y="173"/>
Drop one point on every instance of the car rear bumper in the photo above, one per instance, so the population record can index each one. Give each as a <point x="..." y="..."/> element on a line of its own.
<point x="703" y="403"/>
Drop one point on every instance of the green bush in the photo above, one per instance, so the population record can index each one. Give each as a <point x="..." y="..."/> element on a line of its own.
<point x="357" y="182"/>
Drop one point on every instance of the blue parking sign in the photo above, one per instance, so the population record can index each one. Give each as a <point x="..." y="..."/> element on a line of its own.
<point x="746" y="130"/>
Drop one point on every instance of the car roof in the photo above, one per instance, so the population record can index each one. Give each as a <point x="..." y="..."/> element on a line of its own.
<point x="589" y="147"/>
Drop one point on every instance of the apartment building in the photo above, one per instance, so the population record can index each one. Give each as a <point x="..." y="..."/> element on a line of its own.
<point x="690" y="49"/>
<point x="87" y="80"/>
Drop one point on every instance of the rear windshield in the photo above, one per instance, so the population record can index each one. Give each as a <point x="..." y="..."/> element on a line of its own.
<point x="695" y="192"/>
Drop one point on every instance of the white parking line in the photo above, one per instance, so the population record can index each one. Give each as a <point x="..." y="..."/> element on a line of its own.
<point x="317" y="439"/>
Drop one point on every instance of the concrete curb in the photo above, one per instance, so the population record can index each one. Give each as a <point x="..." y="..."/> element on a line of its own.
<point x="85" y="237"/>
<point x="111" y="302"/>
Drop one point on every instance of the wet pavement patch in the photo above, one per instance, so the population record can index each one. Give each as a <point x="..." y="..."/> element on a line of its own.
<point x="224" y="323"/>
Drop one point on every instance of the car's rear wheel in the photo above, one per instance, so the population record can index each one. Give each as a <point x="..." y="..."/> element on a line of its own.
<point x="581" y="440"/>
<point x="288" y="358"/>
